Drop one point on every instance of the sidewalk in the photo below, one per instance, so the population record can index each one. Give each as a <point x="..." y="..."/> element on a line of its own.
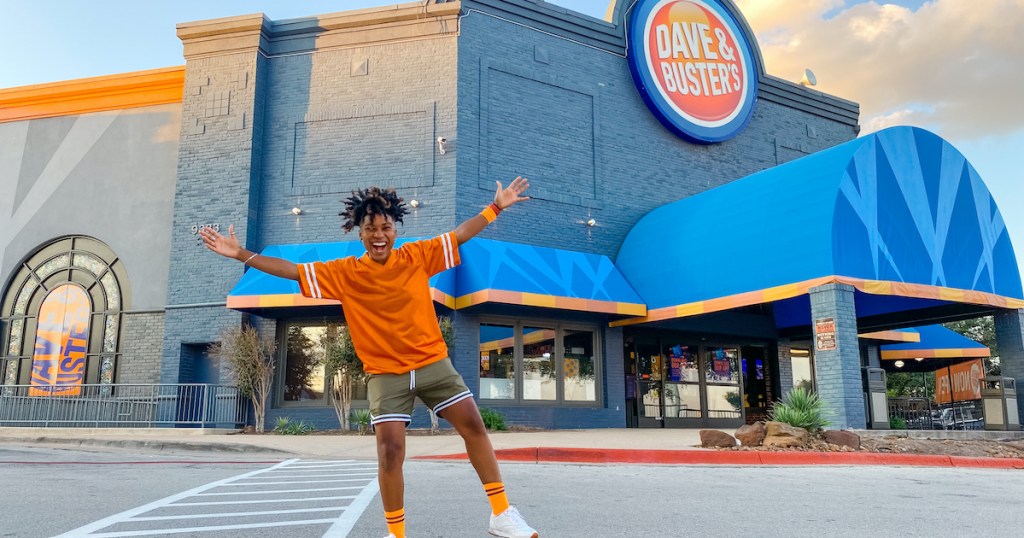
<point x="600" y="446"/>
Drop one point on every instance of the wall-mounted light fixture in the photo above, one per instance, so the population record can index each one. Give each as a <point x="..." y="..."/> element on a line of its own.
<point x="414" y="204"/>
<point x="296" y="211"/>
<point x="442" y="145"/>
<point x="899" y="364"/>
<point x="591" y="222"/>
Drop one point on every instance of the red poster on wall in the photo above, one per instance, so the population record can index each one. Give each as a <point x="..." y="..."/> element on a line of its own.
<point x="62" y="337"/>
<point x="967" y="378"/>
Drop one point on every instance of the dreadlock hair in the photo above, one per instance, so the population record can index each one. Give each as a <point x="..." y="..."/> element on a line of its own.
<point x="371" y="202"/>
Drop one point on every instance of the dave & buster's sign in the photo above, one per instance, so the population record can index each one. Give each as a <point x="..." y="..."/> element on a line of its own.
<point x="693" y="67"/>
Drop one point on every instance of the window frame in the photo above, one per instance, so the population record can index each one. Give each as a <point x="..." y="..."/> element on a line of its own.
<point x="103" y="277"/>
<point x="518" y="359"/>
<point x="281" y="356"/>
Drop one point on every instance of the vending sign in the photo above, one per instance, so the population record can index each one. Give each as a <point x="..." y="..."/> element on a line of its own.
<point x="693" y="66"/>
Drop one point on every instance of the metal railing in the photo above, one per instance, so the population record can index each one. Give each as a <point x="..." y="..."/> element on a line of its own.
<point x="197" y="405"/>
<point x="923" y="414"/>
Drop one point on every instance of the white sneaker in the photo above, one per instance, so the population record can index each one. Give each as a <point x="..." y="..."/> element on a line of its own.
<point x="509" y="524"/>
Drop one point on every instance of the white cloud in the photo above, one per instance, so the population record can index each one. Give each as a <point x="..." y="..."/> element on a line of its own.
<point x="959" y="57"/>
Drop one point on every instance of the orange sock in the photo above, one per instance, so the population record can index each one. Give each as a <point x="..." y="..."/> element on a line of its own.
<point x="396" y="522"/>
<point x="496" y="495"/>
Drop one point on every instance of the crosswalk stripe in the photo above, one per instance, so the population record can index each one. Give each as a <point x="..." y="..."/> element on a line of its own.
<point x="340" y="526"/>
<point x="212" y="528"/>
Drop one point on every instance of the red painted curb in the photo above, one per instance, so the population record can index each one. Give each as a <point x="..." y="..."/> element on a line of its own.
<point x="726" y="457"/>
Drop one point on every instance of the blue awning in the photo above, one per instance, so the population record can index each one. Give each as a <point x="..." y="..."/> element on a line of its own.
<point x="936" y="342"/>
<point x="898" y="213"/>
<point x="491" y="272"/>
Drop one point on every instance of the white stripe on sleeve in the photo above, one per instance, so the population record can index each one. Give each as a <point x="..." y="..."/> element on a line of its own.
<point x="449" y="260"/>
<point x="312" y="269"/>
<point x="313" y="289"/>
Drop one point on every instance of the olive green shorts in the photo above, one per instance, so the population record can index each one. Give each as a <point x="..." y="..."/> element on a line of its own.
<point x="392" y="395"/>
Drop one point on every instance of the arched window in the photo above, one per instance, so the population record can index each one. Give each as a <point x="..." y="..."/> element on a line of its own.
<point x="61" y="317"/>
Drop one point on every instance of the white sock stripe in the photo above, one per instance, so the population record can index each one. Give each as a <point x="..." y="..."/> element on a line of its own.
<point x="452" y="401"/>
<point x="447" y="247"/>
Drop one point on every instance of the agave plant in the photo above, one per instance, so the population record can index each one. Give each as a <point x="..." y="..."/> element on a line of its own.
<point x="802" y="409"/>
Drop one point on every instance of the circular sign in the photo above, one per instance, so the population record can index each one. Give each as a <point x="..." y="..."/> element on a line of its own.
<point x="693" y="67"/>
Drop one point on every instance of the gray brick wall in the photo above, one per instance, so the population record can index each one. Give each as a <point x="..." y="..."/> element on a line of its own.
<point x="1010" y="341"/>
<point x="785" y="367"/>
<point x="609" y="158"/>
<point x="331" y="129"/>
<point x="219" y="164"/>
<point x="838" y="371"/>
<point x="142" y="337"/>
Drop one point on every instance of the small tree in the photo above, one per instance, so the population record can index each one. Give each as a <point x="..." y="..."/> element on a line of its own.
<point x="252" y="358"/>
<point x="344" y="367"/>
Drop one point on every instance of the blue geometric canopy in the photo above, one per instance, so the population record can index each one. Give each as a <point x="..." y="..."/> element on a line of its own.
<point x="491" y="271"/>
<point x="898" y="206"/>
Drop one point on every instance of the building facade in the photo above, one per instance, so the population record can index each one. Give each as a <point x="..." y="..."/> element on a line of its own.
<point x="271" y="123"/>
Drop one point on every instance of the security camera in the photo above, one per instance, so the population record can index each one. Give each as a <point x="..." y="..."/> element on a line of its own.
<point x="442" y="144"/>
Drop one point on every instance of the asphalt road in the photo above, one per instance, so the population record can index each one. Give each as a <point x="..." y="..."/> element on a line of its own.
<point x="53" y="491"/>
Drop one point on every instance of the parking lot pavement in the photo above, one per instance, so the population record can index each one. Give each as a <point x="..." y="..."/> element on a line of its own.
<point x="301" y="497"/>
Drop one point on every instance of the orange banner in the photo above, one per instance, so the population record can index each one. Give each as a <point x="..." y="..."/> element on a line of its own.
<point x="967" y="379"/>
<point x="62" y="337"/>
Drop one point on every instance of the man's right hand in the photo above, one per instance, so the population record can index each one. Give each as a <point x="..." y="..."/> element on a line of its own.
<point x="226" y="246"/>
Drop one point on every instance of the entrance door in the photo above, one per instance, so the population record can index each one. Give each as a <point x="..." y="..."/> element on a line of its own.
<point x="722" y="386"/>
<point x="756" y="383"/>
<point x="680" y="385"/>
<point x="649" y="394"/>
<point x="683" y="403"/>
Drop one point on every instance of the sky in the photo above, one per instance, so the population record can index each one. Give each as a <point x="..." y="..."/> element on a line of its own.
<point x="953" y="67"/>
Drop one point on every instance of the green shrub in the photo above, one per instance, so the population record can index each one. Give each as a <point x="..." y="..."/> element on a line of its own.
<point x="361" y="418"/>
<point x="285" y="426"/>
<point x="801" y="409"/>
<point x="493" y="420"/>
<point x="897" y="423"/>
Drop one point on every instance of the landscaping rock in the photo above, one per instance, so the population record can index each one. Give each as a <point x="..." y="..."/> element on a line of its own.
<point x="751" y="434"/>
<point x="716" y="439"/>
<point x="843" y="438"/>
<point x="783" y="435"/>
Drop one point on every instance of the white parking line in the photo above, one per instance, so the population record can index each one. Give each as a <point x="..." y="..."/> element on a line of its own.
<point x="241" y="514"/>
<point x="274" y="491"/>
<point x="211" y="528"/>
<point x="260" y="501"/>
<point x="128" y="514"/>
<point x="340" y="526"/>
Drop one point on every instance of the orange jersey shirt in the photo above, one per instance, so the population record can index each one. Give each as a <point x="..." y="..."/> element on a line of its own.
<point x="388" y="308"/>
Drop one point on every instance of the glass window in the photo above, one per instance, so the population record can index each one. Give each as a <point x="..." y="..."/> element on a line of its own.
<point x="497" y="362"/>
<point x="304" y="365"/>
<point x="539" y="364"/>
<point x="56" y="296"/>
<point x="579" y="383"/>
<point x="682" y="363"/>
<point x="803" y="369"/>
<point x="530" y="363"/>
<point x="723" y="401"/>
<point x="682" y="400"/>
<point x="723" y="365"/>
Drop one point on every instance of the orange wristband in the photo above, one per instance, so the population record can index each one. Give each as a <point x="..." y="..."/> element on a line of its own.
<point x="491" y="212"/>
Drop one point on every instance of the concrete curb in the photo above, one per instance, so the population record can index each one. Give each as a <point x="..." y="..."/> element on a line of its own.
<point x="711" y="457"/>
<point x="159" y="446"/>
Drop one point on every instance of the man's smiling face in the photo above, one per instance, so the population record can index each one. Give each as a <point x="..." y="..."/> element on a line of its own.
<point x="378" y="233"/>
